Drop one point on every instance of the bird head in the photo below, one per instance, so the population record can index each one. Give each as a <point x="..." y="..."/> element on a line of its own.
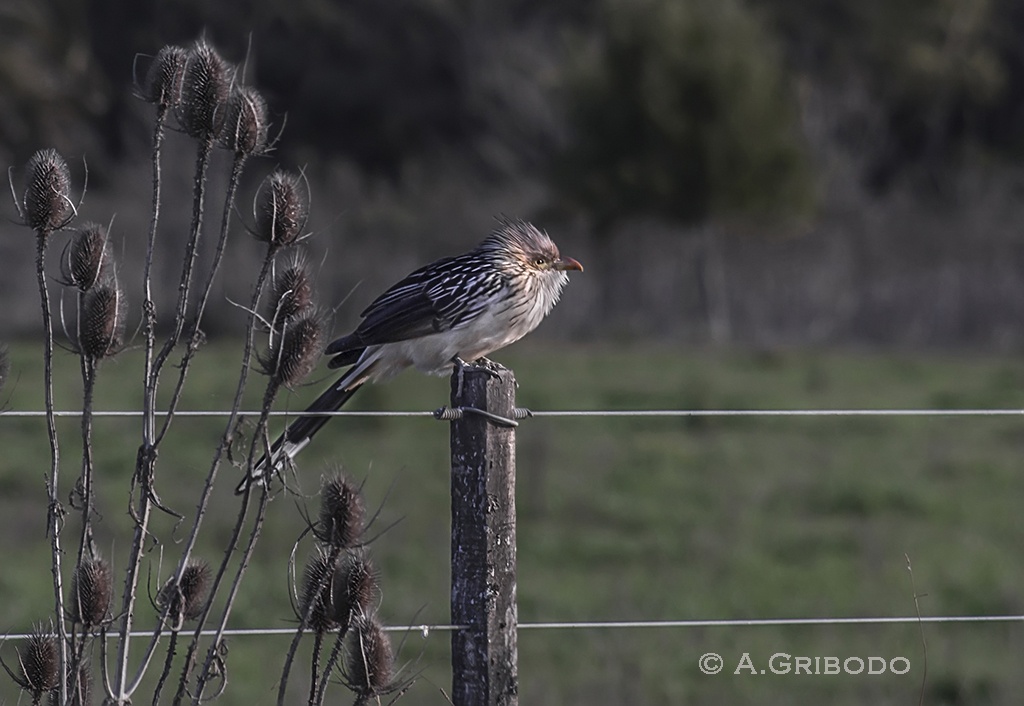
<point x="529" y="248"/>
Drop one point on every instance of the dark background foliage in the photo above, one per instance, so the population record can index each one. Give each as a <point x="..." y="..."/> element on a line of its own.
<point x="760" y="172"/>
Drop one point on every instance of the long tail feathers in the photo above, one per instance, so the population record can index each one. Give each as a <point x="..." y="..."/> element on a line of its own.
<point x="303" y="429"/>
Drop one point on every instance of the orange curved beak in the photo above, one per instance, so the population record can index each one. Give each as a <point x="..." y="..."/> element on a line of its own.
<point x="567" y="263"/>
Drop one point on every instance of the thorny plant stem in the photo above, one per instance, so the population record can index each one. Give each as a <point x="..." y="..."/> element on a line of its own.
<point x="107" y="688"/>
<point x="172" y="650"/>
<point x="149" y="380"/>
<point x="259" y="437"/>
<point x="86" y="543"/>
<point x="191" y="347"/>
<point x="76" y="667"/>
<point x="227" y="437"/>
<point x="261" y="512"/>
<point x="193" y="646"/>
<point x="314" y="665"/>
<point x="54" y="513"/>
<point x="225" y="440"/>
<point x="148" y="306"/>
<point x="195" y="336"/>
<point x="332" y="661"/>
<point x="223" y="445"/>
<point x="191" y="252"/>
<point x="146" y="461"/>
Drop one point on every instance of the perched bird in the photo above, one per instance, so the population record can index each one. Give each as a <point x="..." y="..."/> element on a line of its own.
<point x="454" y="310"/>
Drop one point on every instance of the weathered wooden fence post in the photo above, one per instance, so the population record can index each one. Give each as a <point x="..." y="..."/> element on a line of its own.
<point x="484" y="657"/>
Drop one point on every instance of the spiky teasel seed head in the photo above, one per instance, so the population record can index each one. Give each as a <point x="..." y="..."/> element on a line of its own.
<point x="245" y="125"/>
<point x="205" y="87"/>
<point x="316" y="596"/>
<point x="162" y="85"/>
<point x="369" y="666"/>
<point x="294" y="351"/>
<point x="341" y="513"/>
<point x="85" y="257"/>
<point x="291" y="294"/>
<point x="187" y="600"/>
<point x="46" y="205"/>
<point x="39" y="662"/>
<point x="101" y="328"/>
<point x="282" y="207"/>
<point x="91" y="588"/>
<point x="356" y="588"/>
<point x="195" y="583"/>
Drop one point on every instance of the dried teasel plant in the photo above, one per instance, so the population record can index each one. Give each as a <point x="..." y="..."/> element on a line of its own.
<point x="91" y="592"/>
<point x="246" y="126"/>
<point x="291" y="293"/>
<point x="186" y="600"/>
<point x="102" y="321"/>
<point x="316" y="599"/>
<point x="39" y="659"/>
<point x="294" y="351"/>
<point x="281" y="209"/>
<point x="356" y="589"/>
<point x="86" y="258"/>
<point x="46" y="204"/>
<point x="205" y="88"/>
<point x="342" y="513"/>
<point x="356" y="592"/>
<point x="163" y="82"/>
<point x="369" y="668"/>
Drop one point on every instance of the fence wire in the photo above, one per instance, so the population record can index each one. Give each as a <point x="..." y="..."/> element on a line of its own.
<point x="425" y="629"/>
<point x="566" y="413"/>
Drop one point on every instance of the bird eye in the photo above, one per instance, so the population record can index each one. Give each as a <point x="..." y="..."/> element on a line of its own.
<point x="539" y="261"/>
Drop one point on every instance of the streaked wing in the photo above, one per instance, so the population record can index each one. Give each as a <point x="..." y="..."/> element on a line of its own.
<point x="432" y="299"/>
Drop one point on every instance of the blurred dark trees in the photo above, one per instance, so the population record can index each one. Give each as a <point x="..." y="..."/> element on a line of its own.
<point x="380" y="83"/>
<point x="943" y="77"/>
<point x="680" y="109"/>
<point x="701" y="116"/>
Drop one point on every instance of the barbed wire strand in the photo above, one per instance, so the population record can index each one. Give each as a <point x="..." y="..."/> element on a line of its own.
<point x="606" y="625"/>
<point x="426" y="629"/>
<point x="574" y="413"/>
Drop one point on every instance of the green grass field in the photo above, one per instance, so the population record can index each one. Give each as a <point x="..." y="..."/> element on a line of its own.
<point x="619" y="519"/>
